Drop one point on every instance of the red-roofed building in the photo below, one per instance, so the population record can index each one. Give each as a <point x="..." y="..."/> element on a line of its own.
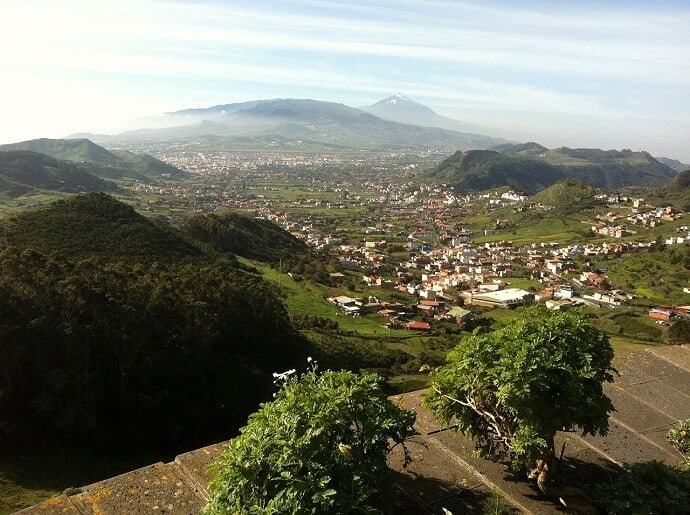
<point x="419" y="326"/>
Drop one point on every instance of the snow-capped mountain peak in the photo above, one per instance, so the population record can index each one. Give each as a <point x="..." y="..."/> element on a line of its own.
<point x="397" y="99"/>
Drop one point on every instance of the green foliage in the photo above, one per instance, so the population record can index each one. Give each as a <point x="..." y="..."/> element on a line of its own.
<point x="247" y="237"/>
<point x="95" y="224"/>
<point x="479" y="170"/>
<point x="679" y="437"/>
<point x="647" y="487"/>
<point x="23" y="171"/>
<point x="568" y="196"/>
<point x="89" y="157"/>
<point x="513" y="388"/>
<point x="159" y="355"/>
<point x="319" y="447"/>
<point x="530" y="171"/>
<point x="678" y="333"/>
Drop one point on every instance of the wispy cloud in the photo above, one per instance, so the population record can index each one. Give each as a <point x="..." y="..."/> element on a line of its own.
<point x="550" y="58"/>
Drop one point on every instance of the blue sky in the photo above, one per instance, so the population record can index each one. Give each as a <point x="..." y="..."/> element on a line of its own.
<point x="580" y="74"/>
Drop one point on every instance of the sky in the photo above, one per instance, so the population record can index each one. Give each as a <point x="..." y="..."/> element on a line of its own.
<point x="604" y="74"/>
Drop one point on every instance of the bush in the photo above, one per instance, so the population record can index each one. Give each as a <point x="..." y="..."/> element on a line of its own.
<point x="319" y="447"/>
<point x="679" y="437"/>
<point x="647" y="487"/>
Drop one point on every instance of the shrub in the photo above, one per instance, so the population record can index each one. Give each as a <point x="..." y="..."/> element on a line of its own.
<point x="647" y="487"/>
<point x="679" y="437"/>
<point x="320" y="447"/>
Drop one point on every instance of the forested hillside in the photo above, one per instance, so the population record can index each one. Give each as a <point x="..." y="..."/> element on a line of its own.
<point x="22" y="171"/>
<point x="248" y="237"/>
<point x="117" y="164"/>
<point x="109" y="348"/>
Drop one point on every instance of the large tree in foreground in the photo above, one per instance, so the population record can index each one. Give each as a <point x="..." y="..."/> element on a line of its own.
<point x="512" y="389"/>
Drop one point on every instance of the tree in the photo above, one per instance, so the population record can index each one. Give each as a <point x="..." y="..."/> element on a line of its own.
<point x="678" y="333"/>
<point x="512" y="389"/>
<point x="319" y="447"/>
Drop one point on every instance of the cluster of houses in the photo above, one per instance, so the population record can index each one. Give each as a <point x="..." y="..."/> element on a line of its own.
<point x="641" y="215"/>
<point x="396" y="314"/>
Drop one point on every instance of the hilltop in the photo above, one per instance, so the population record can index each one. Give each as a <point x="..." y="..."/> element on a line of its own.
<point x="251" y="238"/>
<point x="568" y="196"/>
<point x="675" y="192"/>
<point x="115" y="165"/>
<point x="113" y="324"/>
<point x="94" y="224"/>
<point x="478" y="170"/>
<point x="23" y="171"/>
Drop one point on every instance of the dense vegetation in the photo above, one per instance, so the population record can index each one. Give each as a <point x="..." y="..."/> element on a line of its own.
<point x="95" y="225"/>
<point x="248" y="237"/>
<point x="529" y="168"/>
<point x="478" y="170"/>
<point x="24" y="171"/>
<point x="88" y="156"/>
<point x="319" y="447"/>
<point x="157" y="355"/>
<point x="117" y="330"/>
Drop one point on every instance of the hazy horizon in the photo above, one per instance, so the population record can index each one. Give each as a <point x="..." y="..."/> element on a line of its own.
<point x="606" y="75"/>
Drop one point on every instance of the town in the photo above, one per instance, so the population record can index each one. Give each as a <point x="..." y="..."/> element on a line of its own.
<point x="443" y="248"/>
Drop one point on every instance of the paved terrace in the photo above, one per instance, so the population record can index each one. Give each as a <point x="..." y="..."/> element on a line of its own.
<point x="650" y="395"/>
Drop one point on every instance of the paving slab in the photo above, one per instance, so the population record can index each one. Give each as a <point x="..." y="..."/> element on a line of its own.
<point x="648" y="366"/>
<point x="425" y="423"/>
<point x="523" y="495"/>
<point x="626" y="446"/>
<point x="430" y="480"/>
<point x="635" y="410"/>
<point x="152" y="489"/>
<point x="678" y="354"/>
<point x="57" y="505"/>
<point x="666" y="400"/>
<point x="192" y="466"/>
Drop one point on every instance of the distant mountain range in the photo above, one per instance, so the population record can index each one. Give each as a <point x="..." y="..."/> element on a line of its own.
<point x="531" y="167"/>
<point x="300" y="123"/>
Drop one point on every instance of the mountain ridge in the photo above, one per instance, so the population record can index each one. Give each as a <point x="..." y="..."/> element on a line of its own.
<point x="311" y="122"/>
<point x="112" y="165"/>
<point x="530" y="168"/>
<point x="24" y="171"/>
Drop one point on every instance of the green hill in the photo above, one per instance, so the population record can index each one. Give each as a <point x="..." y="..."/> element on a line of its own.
<point x="478" y="170"/>
<point x="148" y="165"/>
<point x="531" y="167"/>
<point x="117" y="332"/>
<point x="94" y="224"/>
<point x="529" y="149"/>
<point x="68" y="149"/>
<point x="244" y="236"/>
<point x="23" y="171"/>
<point x="675" y="192"/>
<point x="568" y="196"/>
<point x="104" y="163"/>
